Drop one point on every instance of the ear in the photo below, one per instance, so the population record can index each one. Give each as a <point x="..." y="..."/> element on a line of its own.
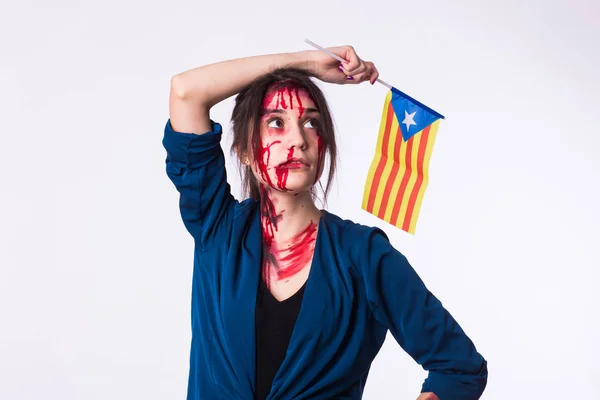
<point x="244" y="159"/>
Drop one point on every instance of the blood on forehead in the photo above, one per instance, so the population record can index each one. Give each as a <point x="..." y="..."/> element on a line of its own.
<point x="286" y="95"/>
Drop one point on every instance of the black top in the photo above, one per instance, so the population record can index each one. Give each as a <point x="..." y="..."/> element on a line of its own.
<point x="274" y="325"/>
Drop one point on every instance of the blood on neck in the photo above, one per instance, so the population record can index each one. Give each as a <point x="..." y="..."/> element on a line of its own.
<point x="282" y="260"/>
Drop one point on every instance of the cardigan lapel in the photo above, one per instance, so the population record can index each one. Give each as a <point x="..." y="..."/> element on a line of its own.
<point x="240" y="281"/>
<point x="305" y="340"/>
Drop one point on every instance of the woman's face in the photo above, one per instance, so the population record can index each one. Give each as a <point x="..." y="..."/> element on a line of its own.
<point x="290" y="155"/>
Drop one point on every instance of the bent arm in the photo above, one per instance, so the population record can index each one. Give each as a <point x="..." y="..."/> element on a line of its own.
<point x="194" y="92"/>
<point x="421" y="325"/>
<point x="195" y="161"/>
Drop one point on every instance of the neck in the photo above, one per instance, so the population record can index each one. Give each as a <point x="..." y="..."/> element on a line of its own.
<point x="289" y="225"/>
<point x="285" y="215"/>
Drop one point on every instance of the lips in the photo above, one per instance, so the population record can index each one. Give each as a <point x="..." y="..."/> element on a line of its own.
<point x="294" y="163"/>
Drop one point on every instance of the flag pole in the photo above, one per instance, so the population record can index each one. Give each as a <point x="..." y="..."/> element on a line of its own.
<point x="342" y="60"/>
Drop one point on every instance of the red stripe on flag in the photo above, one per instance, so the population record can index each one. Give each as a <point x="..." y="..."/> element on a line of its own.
<point x="390" y="181"/>
<point x="381" y="164"/>
<point x="419" y="182"/>
<point x="404" y="183"/>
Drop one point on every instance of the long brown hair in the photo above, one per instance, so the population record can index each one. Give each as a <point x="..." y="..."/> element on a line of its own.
<point x="246" y="119"/>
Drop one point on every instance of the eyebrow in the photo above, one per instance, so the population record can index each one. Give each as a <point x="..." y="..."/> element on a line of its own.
<point x="281" y="111"/>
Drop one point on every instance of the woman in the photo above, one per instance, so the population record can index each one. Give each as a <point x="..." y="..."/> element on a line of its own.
<point x="289" y="301"/>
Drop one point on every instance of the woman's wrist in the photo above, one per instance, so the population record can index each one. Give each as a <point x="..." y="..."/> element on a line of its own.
<point x="303" y="60"/>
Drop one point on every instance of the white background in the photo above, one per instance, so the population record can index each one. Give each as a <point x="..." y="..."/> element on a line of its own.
<point x="95" y="264"/>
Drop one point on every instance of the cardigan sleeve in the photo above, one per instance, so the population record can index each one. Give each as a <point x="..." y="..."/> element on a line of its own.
<point x="418" y="321"/>
<point x="196" y="166"/>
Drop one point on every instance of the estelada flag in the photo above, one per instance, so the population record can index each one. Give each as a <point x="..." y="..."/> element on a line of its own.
<point x="399" y="172"/>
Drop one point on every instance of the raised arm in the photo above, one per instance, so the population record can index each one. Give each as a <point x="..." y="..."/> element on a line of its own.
<point x="194" y="92"/>
<point x="195" y="160"/>
<point x="421" y="325"/>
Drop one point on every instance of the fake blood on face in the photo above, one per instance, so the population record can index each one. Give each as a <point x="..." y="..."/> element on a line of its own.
<point x="280" y="93"/>
<point x="300" y="107"/>
<point x="264" y="154"/>
<point x="282" y="172"/>
<point x="277" y="95"/>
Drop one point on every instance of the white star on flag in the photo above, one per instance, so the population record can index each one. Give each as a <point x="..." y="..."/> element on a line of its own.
<point x="408" y="120"/>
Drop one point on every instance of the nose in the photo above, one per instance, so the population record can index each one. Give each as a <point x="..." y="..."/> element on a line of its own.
<point x="296" y="137"/>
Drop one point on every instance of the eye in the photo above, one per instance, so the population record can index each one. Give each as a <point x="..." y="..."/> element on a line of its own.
<point x="312" y="123"/>
<point x="275" y="123"/>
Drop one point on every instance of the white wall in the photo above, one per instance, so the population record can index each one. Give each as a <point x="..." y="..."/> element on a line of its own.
<point x="95" y="264"/>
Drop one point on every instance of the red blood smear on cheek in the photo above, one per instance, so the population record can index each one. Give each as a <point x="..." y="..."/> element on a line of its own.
<point x="264" y="155"/>
<point x="299" y="253"/>
<point x="282" y="173"/>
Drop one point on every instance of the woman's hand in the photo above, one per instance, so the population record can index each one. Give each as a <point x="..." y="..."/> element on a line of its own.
<point x="353" y="70"/>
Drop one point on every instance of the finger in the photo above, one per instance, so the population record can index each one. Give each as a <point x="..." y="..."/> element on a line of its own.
<point x="368" y="74"/>
<point x="350" y="80"/>
<point x="374" y="73"/>
<point x="360" y="69"/>
<point x="365" y="73"/>
<point x="373" y="78"/>
<point x="352" y="61"/>
<point x="356" y="79"/>
<point x="363" y="77"/>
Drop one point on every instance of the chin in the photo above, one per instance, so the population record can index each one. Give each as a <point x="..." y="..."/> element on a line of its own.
<point x="298" y="184"/>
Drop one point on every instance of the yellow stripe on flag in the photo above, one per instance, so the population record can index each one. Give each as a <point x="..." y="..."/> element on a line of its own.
<point x="430" y="142"/>
<point x="388" y="159"/>
<point x="377" y="158"/>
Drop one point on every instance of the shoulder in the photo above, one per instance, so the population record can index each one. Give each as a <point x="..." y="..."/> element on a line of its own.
<point x="354" y="237"/>
<point x="346" y="227"/>
<point x="368" y="249"/>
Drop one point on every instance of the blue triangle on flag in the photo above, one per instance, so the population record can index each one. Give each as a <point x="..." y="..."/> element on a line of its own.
<point x="412" y="115"/>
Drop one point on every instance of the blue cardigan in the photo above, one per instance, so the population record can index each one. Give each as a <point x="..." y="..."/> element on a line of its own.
<point x="358" y="288"/>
